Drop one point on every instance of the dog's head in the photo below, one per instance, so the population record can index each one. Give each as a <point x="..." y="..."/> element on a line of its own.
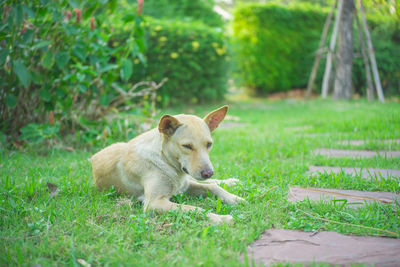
<point x="187" y="141"/>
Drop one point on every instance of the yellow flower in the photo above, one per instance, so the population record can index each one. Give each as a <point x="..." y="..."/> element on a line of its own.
<point x="158" y="28"/>
<point x="136" y="61"/>
<point x="174" y="55"/>
<point x="195" y="45"/>
<point x="214" y="45"/>
<point x="162" y="39"/>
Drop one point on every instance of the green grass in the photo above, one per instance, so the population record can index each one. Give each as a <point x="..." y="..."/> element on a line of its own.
<point x="105" y="228"/>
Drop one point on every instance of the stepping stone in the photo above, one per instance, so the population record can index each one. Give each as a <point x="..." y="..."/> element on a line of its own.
<point x="340" y="153"/>
<point x="296" y="194"/>
<point x="228" y="125"/>
<point x="363" y="142"/>
<point x="306" y="248"/>
<point x="364" y="173"/>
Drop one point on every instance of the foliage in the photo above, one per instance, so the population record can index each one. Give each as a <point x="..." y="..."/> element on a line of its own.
<point x="59" y="58"/>
<point x="191" y="55"/>
<point x="275" y="47"/>
<point x="183" y="10"/>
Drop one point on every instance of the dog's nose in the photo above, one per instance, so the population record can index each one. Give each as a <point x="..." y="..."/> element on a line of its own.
<point x="207" y="173"/>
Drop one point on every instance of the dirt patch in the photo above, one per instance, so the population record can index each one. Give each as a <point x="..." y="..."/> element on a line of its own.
<point x="292" y="246"/>
<point x="340" y="153"/>
<point x="364" y="173"/>
<point x="354" y="198"/>
<point x="363" y="142"/>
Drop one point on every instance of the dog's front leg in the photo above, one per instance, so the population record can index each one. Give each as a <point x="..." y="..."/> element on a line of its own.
<point x="198" y="189"/>
<point x="156" y="200"/>
<point x="163" y="204"/>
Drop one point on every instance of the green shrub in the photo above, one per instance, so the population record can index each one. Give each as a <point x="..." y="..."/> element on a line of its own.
<point x="184" y="10"/>
<point x="275" y="45"/>
<point x="191" y="55"/>
<point x="275" y="48"/>
<point x="59" y="58"/>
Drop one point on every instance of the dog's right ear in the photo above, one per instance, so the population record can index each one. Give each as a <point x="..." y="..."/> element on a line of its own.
<point x="168" y="125"/>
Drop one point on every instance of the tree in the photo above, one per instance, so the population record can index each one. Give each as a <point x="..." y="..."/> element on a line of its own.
<point x="343" y="87"/>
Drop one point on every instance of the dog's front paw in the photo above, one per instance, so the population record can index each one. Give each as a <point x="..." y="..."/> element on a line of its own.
<point x="230" y="181"/>
<point x="233" y="199"/>
<point x="220" y="219"/>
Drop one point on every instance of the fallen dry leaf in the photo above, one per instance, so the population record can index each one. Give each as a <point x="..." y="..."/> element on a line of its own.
<point x="53" y="189"/>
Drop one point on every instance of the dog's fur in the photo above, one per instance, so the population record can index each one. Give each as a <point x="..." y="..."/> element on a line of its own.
<point x="164" y="162"/>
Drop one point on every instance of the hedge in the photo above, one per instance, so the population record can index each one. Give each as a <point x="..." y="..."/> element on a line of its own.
<point x="191" y="55"/>
<point x="275" y="47"/>
<point x="184" y="10"/>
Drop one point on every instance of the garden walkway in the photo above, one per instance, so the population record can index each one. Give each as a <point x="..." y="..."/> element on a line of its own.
<point x="293" y="246"/>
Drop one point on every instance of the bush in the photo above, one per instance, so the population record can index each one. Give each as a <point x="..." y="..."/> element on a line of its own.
<point x="191" y="55"/>
<point x="59" y="58"/>
<point x="184" y="10"/>
<point x="275" y="47"/>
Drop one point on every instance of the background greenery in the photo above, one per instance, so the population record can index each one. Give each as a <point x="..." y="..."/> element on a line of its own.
<point x="65" y="65"/>
<point x="275" y="47"/>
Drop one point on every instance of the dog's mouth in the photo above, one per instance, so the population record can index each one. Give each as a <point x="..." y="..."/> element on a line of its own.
<point x="185" y="170"/>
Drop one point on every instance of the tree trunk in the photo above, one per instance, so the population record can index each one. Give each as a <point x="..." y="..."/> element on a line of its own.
<point x="344" y="68"/>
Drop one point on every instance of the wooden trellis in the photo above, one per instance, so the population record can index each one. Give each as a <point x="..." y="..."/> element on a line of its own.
<point x="367" y="52"/>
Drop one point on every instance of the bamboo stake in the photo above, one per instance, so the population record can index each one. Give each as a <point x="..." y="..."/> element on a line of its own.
<point x="372" y="55"/>
<point x="320" y="51"/>
<point x="328" y="66"/>
<point x="370" y="86"/>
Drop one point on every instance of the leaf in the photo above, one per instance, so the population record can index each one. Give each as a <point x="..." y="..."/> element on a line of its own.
<point x="3" y="56"/>
<point x="127" y="69"/>
<point x="82" y="88"/>
<point x="53" y="189"/>
<point x="219" y="204"/>
<point x="128" y="18"/>
<point x="45" y="95"/>
<point x="22" y="73"/>
<point x="62" y="59"/>
<point x="108" y="67"/>
<point x="40" y="45"/>
<point x="28" y="36"/>
<point x="11" y="101"/>
<point x="18" y="14"/>
<point x="79" y="51"/>
<point x="48" y="60"/>
<point x="104" y="100"/>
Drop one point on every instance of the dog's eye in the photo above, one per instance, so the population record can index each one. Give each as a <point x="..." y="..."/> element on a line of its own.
<point x="188" y="146"/>
<point x="209" y="144"/>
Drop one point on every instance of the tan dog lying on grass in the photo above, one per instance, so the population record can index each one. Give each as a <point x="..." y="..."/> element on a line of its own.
<point x="163" y="162"/>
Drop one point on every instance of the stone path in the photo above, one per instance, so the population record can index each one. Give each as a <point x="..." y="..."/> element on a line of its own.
<point x="296" y="194"/>
<point x="364" y="173"/>
<point x="279" y="245"/>
<point x="229" y="124"/>
<point x="298" y="247"/>
<point x="339" y="153"/>
<point x="363" y="142"/>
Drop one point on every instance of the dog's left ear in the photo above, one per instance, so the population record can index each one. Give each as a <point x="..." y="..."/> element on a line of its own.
<point x="214" y="118"/>
<point x="168" y="125"/>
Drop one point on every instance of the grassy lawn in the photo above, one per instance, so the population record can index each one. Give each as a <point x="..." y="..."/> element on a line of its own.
<point x="270" y="151"/>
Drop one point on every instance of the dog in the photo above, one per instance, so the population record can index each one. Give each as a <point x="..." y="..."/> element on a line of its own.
<point x="166" y="161"/>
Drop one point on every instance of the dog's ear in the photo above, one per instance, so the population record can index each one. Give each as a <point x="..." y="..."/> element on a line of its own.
<point x="214" y="118"/>
<point x="168" y="125"/>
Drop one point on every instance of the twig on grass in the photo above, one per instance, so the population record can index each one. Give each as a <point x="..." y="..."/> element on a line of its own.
<point x="348" y="224"/>
<point x="266" y="192"/>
